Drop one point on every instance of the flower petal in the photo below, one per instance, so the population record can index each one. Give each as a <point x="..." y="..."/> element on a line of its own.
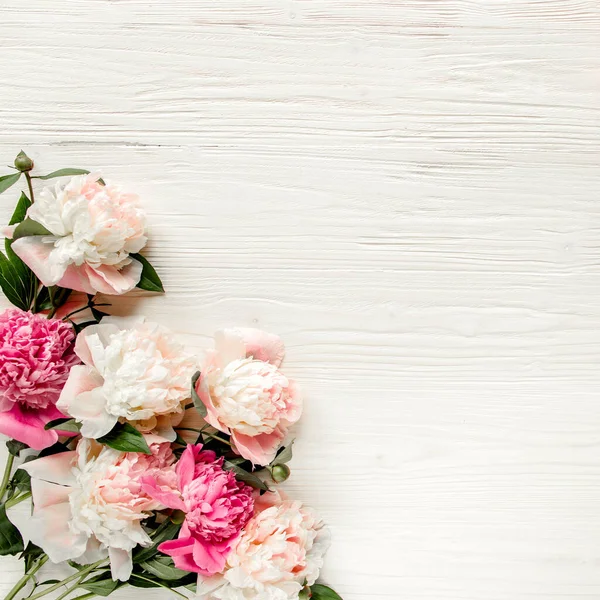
<point x="81" y="379"/>
<point x="167" y="498"/>
<point x="47" y="494"/>
<point x="28" y="427"/>
<point x="259" y="344"/>
<point x="185" y="467"/>
<point x="107" y="279"/>
<point x="260" y="449"/>
<point x="121" y="564"/>
<point x="49" y="529"/>
<point x="76" y="278"/>
<point x="56" y="468"/>
<point x="35" y="252"/>
<point x="92" y="340"/>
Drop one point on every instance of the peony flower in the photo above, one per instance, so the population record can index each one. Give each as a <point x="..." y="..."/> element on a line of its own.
<point x="245" y="393"/>
<point x="93" y="230"/>
<point x="216" y="507"/>
<point x="279" y="552"/>
<point x="133" y="371"/>
<point x="90" y="503"/>
<point x="36" y="354"/>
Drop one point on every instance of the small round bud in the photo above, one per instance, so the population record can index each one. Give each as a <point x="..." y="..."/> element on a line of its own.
<point x="280" y="473"/>
<point x="304" y="594"/>
<point x="178" y="517"/>
<point x="23" y="162"/>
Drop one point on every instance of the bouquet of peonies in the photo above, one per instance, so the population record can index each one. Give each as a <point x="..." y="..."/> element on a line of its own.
<point x="131" y="460"/>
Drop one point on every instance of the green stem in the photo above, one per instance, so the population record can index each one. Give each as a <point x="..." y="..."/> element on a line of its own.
<point x="23" y="581"/>
<point x="15" y="500"/>
<point x="28" y="177"/>
<point x="79" y="573"/>
<point x="6" y="477"/>
<point x="85" y="596"/>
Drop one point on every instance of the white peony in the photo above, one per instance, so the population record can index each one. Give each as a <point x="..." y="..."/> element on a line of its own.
<point x="94" y="228"/>
<point x="90" y="504"/>
<point x="133" y="371"/>
<point x="281" y="549"/>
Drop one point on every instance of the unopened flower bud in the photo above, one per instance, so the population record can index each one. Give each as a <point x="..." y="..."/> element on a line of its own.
<point x="23" y="162"/>
<point x="280" y="473"/>
<point x="178" y="517"/>
<point x="304" y="594"/>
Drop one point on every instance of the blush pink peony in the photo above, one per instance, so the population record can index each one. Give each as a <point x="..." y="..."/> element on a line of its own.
<point x="216" y="508"/>
<point x="279" y="552"/>
<point x="36" y="355"/>
<point x="93" y="230"/>
<point x="245" y="393"/>
<point x="90" y="503"/>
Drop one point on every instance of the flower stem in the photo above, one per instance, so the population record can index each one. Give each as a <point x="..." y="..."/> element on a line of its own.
<point x="28" y="177"/>
<point x="23" y="581"/>
<point x="156" y="582"/>
<point x="16" y="499"/>
<point x="80" y="573"/>
<point x="6" y="477"/>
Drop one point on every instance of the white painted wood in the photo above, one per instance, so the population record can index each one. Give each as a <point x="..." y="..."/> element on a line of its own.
<point x="408" y="192"/>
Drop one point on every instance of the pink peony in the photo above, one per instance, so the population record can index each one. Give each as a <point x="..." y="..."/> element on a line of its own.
<point x="217" y="507"/>
<point x="36" y="355"/>
<point x="90" y="503"/>
<point x="245" y="393"/>
<point x="280" y="550"/>
<point x="93" y="230"/>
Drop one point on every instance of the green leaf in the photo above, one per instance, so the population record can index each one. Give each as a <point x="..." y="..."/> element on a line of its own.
<point x="149" y="280"/>
<point x="250" y="478"/>
<point x="7" y="180"/>
<point x="101" y="585"/>
<point x="29" y="227"/>
<point x="20" y="210"/>
<point x="195" y="398"/>
<point x="11" y="541"/>
<point x="21" y="481"/>
<point x="164" y="568"/>
<point x="79" y="327"/>
<point x="142" y="582"/>
<point x="166" y="531"/>
<point x="322" y="592"/>
<point x="125" y="438"/>
<point x="284" y="456"/>
<point x="30" y="555"/>
<point x="15" y="447"/>
<point x="62" y="173"/>
<point x="70" y="425"/>
<point x="15" y="289"/>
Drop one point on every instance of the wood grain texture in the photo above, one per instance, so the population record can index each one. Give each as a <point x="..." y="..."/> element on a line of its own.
<point x="408" y="192"/>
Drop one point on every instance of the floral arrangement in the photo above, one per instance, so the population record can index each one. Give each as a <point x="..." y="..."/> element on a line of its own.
<point x="133" y="461"/>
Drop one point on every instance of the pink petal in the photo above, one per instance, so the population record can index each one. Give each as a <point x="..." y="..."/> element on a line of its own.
<point x="56" y="468"/>
<point x="178" y="547"/>
<point x="167" y="498"/>
<point x="35" y="251"/>
<point x="212" y="417"/>
<point x="260" y="449"/>
<point x="81" y="379"/>
<point x="261" y="345"/>
<point x="109" y="280"/>
<point x="28" y="427"/>
<point x="93" y="339"/>
<point x="47" y="494"/>
<point x="209" y="558"/>
<point x="76" y="278"/>
<point x="185" y="467"/>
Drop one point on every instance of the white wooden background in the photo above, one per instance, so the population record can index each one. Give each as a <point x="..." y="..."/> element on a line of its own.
<point x="409" y="193"/>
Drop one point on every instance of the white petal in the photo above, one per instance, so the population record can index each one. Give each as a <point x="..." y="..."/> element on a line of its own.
<point x="48" y="494"/>
<point x="56" y="468"/>
<point x="121" y="564"/>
